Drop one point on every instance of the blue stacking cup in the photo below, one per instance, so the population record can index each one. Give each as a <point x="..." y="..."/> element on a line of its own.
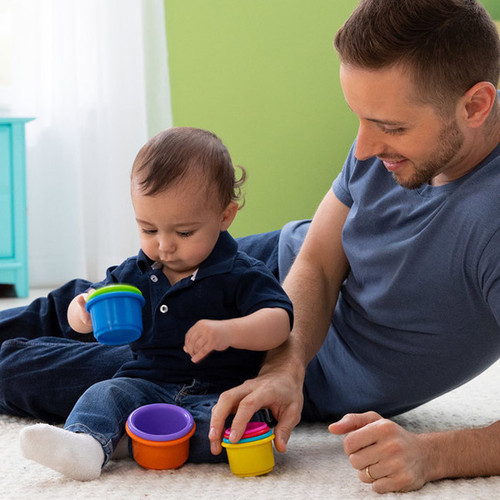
<point x="116" y="313"/>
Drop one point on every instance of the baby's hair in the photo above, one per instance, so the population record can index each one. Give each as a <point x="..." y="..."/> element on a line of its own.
<point x="171" y="155"/>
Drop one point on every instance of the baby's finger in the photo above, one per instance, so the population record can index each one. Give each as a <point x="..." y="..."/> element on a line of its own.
<point x="201" y="350"/>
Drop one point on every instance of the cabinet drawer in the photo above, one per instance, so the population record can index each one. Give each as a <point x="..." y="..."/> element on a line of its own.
<point x="6" y="194"/>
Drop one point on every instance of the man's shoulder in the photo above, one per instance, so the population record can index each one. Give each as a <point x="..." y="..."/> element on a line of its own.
<point x="484" y="181"/>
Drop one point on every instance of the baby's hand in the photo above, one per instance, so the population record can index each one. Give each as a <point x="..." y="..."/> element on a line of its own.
<point x="83" y="314"/>
<point x="78" y="317"/>
<point x="206" y="336"/>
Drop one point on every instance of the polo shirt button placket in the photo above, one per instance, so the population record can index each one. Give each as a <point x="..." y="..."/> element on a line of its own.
<point x="154" y="278"/>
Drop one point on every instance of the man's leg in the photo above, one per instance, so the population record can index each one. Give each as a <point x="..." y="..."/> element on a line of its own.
<point x="43" y="378"/>
<point x="277" y="249"/>
<point x="44" y="317"/>
<point x="291" y="238"/>
<point x="42" y="372"/>
<point x="263" y="247"/>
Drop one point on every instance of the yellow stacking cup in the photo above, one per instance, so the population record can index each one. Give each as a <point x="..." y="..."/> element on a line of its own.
<point x="251" y="458"/>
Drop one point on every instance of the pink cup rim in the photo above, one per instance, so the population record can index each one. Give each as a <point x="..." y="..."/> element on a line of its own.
<point x="253" y="429"/>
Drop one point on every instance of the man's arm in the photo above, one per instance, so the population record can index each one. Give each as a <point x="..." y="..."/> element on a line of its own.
<point x="313" y="285"/>
<point x="314" y="280"/>
<point x="399" y="460"/>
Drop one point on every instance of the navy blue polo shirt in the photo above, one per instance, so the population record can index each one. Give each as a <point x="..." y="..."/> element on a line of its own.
<point x="228" y="284"/>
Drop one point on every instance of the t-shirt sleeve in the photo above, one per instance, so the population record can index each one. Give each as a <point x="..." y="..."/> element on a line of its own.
<point x="489" y="275"/>
<point x="340" y="185"/>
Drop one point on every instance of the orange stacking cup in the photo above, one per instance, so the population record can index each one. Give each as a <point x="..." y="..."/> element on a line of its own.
<point x="160" y="435"/>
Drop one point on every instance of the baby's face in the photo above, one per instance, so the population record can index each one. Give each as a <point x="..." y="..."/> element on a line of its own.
<point x="179" y="227"/>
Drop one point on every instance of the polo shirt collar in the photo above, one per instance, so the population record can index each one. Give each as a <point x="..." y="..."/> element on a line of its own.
<point x="144" y="263"/>
<point x="221" y="260"/>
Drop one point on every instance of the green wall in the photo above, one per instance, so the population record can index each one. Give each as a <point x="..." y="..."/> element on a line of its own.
<point x="493" y="7"/>
<point x="263" y="75"/>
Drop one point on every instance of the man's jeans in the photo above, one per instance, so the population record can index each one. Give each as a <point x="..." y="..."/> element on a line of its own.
<point x="43" y="378"/>
<point x="44" y="370"/>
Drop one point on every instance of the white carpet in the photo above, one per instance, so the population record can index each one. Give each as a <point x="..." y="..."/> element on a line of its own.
<point x="314" y="467"/>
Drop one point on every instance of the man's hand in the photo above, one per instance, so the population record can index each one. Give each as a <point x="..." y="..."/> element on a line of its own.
<point x="278" y="387"/>
<point x="385" y="454"/>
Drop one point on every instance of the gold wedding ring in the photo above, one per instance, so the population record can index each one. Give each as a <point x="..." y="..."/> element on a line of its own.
<point x="367" y="472"/>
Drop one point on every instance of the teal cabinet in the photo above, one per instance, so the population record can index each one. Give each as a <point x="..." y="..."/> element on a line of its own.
<point x="13" y="217"/>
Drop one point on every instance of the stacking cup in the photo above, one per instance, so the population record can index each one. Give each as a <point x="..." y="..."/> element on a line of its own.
<point x="253" y="429"/>
<point x="116" y="313"/>
<point x="160" y="434"/>
<point x="253" y="454"/>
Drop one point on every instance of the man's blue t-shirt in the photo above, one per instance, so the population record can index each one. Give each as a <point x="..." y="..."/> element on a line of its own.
<point x="228" y="284"/>
<point x="419" y="312"/>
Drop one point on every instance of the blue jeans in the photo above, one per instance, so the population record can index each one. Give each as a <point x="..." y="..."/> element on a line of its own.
<point x="104" y="408"/>
<point x="44" y="370"/>
<point x="43" y="378"/>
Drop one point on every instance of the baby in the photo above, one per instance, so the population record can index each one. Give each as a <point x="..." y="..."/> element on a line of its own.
<point x="211" y="311"/>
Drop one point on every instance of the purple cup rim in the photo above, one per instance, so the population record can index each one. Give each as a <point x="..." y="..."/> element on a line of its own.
<point x="189" y="422"/>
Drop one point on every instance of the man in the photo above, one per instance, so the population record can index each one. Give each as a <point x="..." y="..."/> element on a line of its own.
<point x="406" y="245"/>
<point x="396" y="288"/>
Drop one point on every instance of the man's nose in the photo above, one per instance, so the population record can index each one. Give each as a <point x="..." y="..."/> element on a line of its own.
<point x="369" y="142"/>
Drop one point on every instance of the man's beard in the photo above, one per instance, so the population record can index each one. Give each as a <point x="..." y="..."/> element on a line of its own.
<point x="450" y="141"/>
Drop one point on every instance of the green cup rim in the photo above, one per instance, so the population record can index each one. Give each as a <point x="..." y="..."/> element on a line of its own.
<point x="121" y="287"/>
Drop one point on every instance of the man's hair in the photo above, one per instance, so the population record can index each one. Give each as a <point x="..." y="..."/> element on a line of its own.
<point x="170" y="156"/>
<point x="447" y="46"/>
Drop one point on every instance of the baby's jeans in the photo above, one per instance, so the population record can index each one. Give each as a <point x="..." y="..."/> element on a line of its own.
<point x="104" y="408"/>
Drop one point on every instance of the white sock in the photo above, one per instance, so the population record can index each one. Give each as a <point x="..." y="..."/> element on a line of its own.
<point x="76" y="455"/>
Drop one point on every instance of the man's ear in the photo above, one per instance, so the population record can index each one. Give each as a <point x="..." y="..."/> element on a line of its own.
<point x="479" y="100"/>
<point x="228" y="215"/>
